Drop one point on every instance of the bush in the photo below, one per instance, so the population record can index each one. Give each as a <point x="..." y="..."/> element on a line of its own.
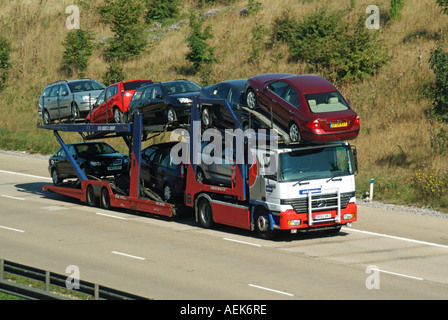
<point x="161" y="10"/>
<point x="5" y="64"/>
<point x="78" y="49"/>
<point x="125" y="18"/>
<point x="438" y="90"/>
<point x="332" y="45"/>
<point x="113" y="74"/>
<point x="395" y="9"/>
<point x="201" y="53"/>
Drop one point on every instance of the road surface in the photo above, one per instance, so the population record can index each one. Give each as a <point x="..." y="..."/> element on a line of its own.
<point x="384" y="255"/>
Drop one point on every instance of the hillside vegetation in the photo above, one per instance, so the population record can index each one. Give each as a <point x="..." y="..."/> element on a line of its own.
<point x="399" y="145"/>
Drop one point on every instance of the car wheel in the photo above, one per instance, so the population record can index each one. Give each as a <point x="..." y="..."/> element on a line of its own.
<point x="200" y="176"/>
<point x="263" y="225"/>
<point x="294" y="133"/>
<point x="251" y="99"/>
<point x="55" y="176"/>
<point x="167" y="193"/>
<point x="171" y="115"/>
<point x="206" y="118"/>
<point x="118" y="115"/>
<point x="205" y="213"/>
<point x="75" y="112"/>
<point x="46" y="117"/>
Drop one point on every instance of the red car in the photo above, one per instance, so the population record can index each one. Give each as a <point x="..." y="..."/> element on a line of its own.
<point x="113" y="102"/>
<point x="309" y="107"/>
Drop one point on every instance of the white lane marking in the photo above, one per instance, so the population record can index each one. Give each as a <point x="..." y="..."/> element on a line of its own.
<point x="128" y="255"/>
<point x="11" y="229"/>
<point x="269" y="289"/>
<point x="12" y="197"/>
<point x="243" y="242"/>
<point x="399" y="238"/>
<point x="400" y="275"/>
<point x="110" y="216"/>
<point x="25" y="175"/>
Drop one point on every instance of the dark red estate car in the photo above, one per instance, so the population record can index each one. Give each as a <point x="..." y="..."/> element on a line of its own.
<point x="113" y="102"/>
<point x="309" y="107"/>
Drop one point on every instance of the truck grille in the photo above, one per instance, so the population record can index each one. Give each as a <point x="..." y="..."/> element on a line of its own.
<point x="319" y="202"/>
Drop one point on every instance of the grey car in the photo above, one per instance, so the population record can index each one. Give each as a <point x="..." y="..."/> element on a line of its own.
<point x="68" y="99"/>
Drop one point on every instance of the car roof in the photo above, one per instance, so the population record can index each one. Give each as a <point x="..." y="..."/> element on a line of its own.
<point x="306" y="83"/>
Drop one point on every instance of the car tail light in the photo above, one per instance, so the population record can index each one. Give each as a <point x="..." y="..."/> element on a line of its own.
<point x="356" y="120"/>
<point x="314" y="124"/>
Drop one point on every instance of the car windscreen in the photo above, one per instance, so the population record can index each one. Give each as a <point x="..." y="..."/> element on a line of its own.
<point x="315" y="163"/>
<point x="133" y="85"/>
<point x="90" y="149"/>
<point x="85" y="85"/>
<point x="325" y="102"/>
<point x="180" y="87"/>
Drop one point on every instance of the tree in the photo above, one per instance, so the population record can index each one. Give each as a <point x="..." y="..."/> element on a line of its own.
<point x="438" y="92"/>
<point x="125" y="18"/>
<point x="201" y="53"/>
<point x="78" y="49"/>
<point x="5" y="63"/>
<point x="161" y="10"/>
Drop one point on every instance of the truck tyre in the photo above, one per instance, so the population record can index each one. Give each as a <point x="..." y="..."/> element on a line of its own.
<point x="263" y="225"/>
<point x="91" y="200"/>
<point x="105" y="198"/>
<point x="205" y="213"/>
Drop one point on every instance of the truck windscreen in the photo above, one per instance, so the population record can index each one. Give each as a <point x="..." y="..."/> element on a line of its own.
<point x="315" y="163"/>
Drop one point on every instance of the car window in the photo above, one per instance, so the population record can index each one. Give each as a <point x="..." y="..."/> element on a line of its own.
<point x="72" y="150"/>
<point x="46" y="91"/>
<point x="85" y="85"/>
<point x="150" y="153"/>
<point x="234" y="96"/>
<point x="54" y="91"/>
<point x="63" y="91"/>
<point x="291" y="96"/>
<point x="326" y="102"/>
<point x="223" y="92"/>
<point x="278" y="88"/>
<point x="166" y="159"/>
<point x="157" y="90"/>
<point x="111" y="91"/>
<point x="100" y="99"/>
<point x="147" y="93"/>
<point x="136" y="84"/>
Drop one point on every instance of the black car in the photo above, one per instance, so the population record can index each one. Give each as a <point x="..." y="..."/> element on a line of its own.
<point x="232" y="91"/>
<point x="94" y="158"/>
<point x="158" y="171"/>
<point x="164" y="102"/>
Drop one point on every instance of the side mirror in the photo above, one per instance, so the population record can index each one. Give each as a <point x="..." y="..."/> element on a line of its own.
<point x="354" y="159"/>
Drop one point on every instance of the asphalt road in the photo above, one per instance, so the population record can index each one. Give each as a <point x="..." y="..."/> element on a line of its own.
<point x="384" y="255"/>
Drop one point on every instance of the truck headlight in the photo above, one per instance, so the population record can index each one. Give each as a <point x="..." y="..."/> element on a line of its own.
<point x="295" y="222"/>
<point x="349" y="216"/>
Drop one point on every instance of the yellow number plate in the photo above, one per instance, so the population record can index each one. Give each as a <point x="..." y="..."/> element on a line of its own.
<point x="338" y="124"/>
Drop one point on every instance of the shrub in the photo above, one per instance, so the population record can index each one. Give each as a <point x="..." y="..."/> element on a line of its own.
<point x="113" y="74"/>
<point x="78" y="49"/>
<point x="395" y="9"/>
<point x="438" y="90"/>
<point x="201" y="53"/>
<point x="161" y="10"/>
<point x="125" y="18"/>
<point x="332" y="45"/>
<point x="5" y="64"/>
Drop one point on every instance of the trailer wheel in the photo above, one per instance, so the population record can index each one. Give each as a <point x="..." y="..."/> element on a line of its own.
<point x="263" y="225"/>
<point x="205" y="213"/>
<point x="90" y="197"/>
<point x="105" y="198"/>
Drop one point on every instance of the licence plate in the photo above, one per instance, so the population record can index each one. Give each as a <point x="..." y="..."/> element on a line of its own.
<point x="322" y="216"/>
<point x="338" y="124"/>
<point x="114" y="168"/>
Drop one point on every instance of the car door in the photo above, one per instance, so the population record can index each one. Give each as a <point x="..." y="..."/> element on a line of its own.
<point x="157" y="104"/>
<point x="275" y="99"/>
<point x="65" y="101"/>
<point x="52" y="102"/>
<point x="99" y="108"/>
<point x="112" y="97"/>
<point x="147" y="163"/>
<point x="291" y="107"/>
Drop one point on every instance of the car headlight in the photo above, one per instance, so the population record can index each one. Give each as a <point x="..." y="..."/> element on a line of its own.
<point x="184" y="100"/>
<point x="95" y="163"/>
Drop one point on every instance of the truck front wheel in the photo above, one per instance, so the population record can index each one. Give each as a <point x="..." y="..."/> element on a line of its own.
<point x="263" y="224"/>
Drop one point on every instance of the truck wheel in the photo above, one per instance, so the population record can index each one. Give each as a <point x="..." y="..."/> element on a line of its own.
<point x="263" y="225"/>
<point x="205" y="213"/>
<point x="91" y="200"/>
<point x="105" y="199"/>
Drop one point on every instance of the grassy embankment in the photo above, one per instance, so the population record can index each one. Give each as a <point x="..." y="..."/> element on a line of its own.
<point x="395" y="140"/>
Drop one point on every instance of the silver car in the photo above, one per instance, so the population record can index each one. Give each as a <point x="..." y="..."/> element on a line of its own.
<point x="68" y="99"/>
